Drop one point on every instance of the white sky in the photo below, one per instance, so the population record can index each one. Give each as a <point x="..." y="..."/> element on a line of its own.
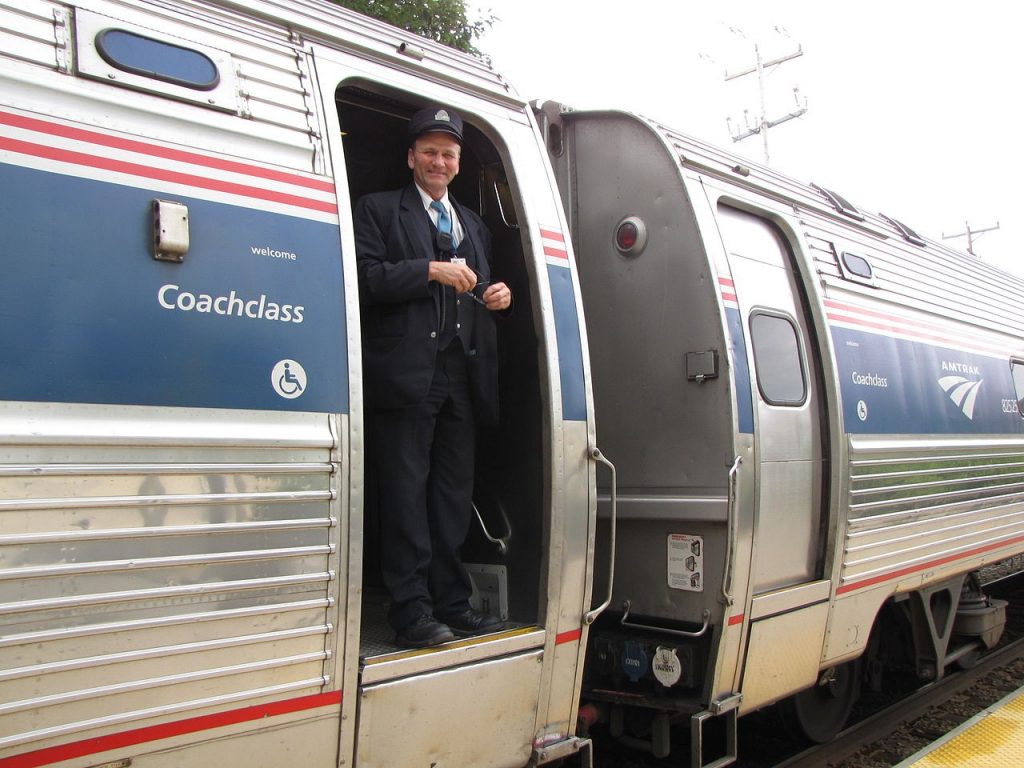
<point x="913" y="107"/>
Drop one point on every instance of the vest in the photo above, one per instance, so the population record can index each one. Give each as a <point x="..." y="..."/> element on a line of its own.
<point x="457" y="311"/>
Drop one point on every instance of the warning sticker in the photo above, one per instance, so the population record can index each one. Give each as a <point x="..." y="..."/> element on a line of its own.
<point x="686" y="562"/>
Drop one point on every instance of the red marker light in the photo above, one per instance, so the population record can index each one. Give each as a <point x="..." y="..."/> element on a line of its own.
<point x="630" y="236"/>
<point x="626" y="236"/>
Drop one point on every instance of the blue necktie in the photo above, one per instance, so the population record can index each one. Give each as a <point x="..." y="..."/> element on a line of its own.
<point x="444" y="221"/>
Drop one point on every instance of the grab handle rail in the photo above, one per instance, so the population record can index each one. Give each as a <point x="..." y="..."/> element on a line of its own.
<point x="590" y="616"/>
<point x="730" y="532"/>
<point x="500" y="542"/>
<point x="705" y="616"/>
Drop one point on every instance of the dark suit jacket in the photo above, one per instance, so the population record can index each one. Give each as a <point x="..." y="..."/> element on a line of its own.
<point x="401" y="309"/>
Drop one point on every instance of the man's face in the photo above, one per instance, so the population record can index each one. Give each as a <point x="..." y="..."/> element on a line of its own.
<point x="434" y="160"/>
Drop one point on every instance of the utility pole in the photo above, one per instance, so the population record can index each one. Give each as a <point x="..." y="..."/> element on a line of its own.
<point x="763" y="123"/>
<point x="971" y="235"/>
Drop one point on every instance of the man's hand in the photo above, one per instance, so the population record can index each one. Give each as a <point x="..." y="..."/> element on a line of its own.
<point x="498" y="297"/>
<point x="459" y="276"/>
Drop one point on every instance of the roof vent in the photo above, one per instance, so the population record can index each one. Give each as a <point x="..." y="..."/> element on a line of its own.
<point x="840" y="203"/>
<point x="905" y="232"/>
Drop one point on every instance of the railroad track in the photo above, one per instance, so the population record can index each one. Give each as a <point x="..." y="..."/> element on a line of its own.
<point x="891" y="718"/>
<point x="886" y="721"/>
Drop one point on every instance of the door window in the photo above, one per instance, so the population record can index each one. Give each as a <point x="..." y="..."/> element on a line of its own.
<point x="777" y="358"/>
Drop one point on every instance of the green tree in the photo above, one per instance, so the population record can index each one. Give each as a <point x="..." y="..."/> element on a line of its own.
<point x="445" y="21"/>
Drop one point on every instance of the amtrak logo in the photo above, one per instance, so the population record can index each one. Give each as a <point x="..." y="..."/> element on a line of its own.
<point x="442" y="115"/>
<point x="963" y="392"/>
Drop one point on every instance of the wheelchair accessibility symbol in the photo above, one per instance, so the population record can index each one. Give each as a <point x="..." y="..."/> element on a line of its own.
<point x="289" y="379"/>
<point x="862" y="410"/>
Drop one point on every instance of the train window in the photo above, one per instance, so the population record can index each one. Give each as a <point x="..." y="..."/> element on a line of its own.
<point x="124" y="55"/>
<point x="780" y="367"/>
<point x="857" y="266"/>
<point x="147" y="57"/>
<point x="1017" y="369"/>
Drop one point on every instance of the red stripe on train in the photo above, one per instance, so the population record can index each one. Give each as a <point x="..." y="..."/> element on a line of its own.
<point x="853" y="586"/>
<point x="882" y="315"/>
<point x="168" y="730"/>
<point x="568" y="637"/>
<point x="159" y="174"/>
<point x="982" y="347"/>
<point x="178" y="155"/>
<point x="857" y="315"/>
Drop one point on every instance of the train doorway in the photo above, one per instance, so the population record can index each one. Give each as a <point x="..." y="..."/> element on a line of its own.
<point x="790" y="434"/>
<point x="474" y="679"/>
<point x="788" y="595"/>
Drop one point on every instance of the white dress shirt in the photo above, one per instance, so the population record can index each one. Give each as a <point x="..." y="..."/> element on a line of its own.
<point x="457" y="231"/>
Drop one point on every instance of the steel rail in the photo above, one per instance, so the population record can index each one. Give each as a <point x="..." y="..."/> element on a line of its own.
<point x="890" y="719"/>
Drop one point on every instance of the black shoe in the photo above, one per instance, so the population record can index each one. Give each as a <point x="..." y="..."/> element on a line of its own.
<point x="425" y="632"/>
<point x="470" y="622"/>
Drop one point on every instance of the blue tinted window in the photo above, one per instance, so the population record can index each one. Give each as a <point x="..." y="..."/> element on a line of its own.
<point x="153" y="58"/>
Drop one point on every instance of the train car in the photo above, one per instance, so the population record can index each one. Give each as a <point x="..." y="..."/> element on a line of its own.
<point x="815" y="416"/>
<point x="187" y="542"/>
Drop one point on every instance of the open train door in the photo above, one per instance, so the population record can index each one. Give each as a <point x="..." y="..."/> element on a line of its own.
<point x="510" y="697"/>
<point x="787" y="604"/>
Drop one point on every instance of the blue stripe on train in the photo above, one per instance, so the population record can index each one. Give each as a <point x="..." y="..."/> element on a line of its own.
<point x="741" y="372"/>
<point x="81" y="318"/>
<point x="570" y="348"/>
<point x="894" y="386"/>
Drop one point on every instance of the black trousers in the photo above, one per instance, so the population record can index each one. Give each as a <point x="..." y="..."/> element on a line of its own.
<point x="423" y="457"/>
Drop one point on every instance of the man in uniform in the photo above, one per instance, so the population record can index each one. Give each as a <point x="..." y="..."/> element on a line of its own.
<point x="430" y="374"/>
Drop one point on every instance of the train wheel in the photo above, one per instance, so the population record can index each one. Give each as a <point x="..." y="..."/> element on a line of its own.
<point x="969" y="660"/>
<point x="819" y="713"/>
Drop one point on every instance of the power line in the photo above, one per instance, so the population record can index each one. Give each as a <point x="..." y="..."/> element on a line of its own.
<point x="763" y="123"/>
<point x="971" y="235"/>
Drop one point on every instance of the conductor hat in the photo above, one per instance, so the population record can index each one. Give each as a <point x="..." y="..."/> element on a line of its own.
<point x="434" y="119"/>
